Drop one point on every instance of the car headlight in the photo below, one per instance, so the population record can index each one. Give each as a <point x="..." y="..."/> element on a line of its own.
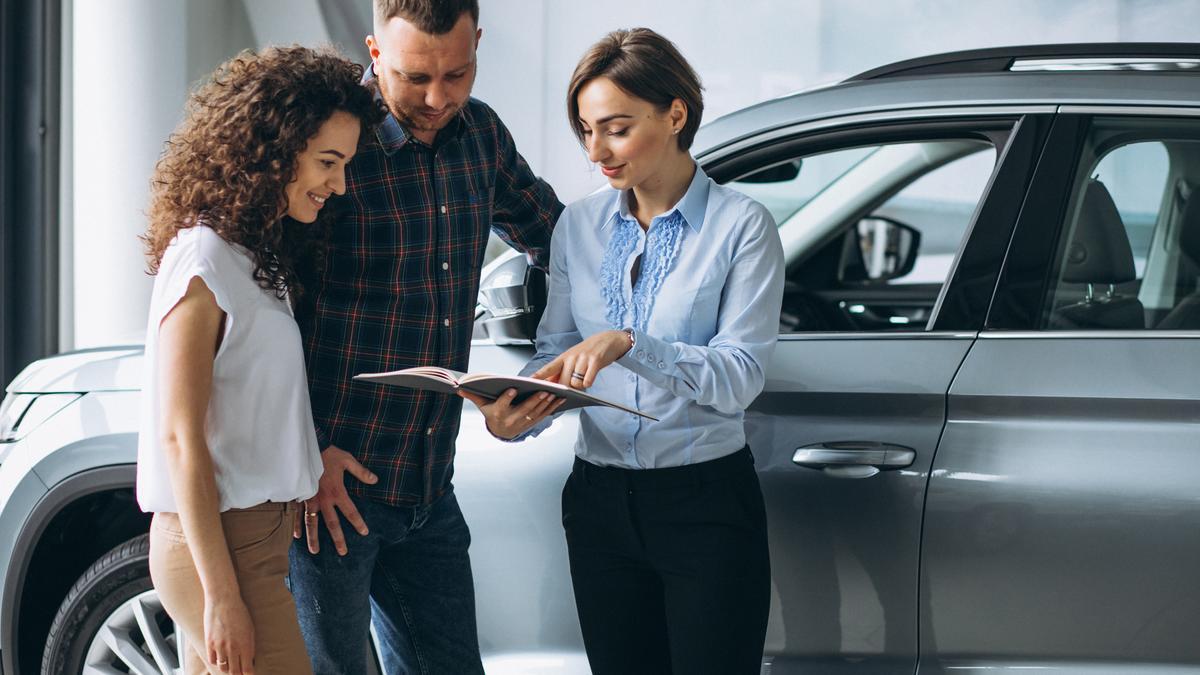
<point x="22" y="413"/>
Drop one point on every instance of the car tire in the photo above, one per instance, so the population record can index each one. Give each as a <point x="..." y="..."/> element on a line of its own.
<point x="103" y="620"/>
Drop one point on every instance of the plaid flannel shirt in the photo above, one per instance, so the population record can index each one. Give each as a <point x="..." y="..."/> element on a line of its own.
<point x="400" y="286"/>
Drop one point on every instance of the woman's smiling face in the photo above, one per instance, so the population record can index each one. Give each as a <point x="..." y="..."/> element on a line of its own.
<point x="626" y="136"/>
<point x="321" y="166"/>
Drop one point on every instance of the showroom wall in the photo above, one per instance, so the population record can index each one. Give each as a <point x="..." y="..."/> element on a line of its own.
<point x="132" y="62"/>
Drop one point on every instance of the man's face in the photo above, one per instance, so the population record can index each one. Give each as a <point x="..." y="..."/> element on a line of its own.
<point x="425" y="79"/>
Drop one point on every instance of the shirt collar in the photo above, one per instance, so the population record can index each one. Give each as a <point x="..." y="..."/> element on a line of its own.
<point x="692" y="206"/>
<point x="392" y="135"/>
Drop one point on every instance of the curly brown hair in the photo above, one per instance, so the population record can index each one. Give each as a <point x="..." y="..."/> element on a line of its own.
<point x="228" y="162"/>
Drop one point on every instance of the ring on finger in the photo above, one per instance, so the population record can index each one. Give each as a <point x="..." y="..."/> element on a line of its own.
<point x="222" y="662"/>
<point x="577" y="375"/>
<point x="529" y="418"/>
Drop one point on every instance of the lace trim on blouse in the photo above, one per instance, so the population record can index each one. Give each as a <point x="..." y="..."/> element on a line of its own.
<point x="662" y="247"/>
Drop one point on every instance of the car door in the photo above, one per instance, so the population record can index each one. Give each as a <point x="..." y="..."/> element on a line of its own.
<point x="844" y="434"/>
<point x="1062" y="511"/>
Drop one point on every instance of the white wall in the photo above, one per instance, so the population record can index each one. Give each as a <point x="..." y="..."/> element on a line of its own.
<point x="134" y="60"/>
<point x="128" y="56"/>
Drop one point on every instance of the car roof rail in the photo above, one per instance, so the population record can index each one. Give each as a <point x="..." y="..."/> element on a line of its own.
<point x="1171" y="56"/>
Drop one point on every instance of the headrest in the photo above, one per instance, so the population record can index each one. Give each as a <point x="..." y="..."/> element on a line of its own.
<point x="1099" y="252"/>
<point x="1189" y="230"/>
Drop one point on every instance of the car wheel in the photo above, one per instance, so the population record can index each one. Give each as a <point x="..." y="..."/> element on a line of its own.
<point x="112" y="620"/>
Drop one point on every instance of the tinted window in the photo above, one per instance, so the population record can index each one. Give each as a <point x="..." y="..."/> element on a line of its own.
<point x="1130" y="243"/>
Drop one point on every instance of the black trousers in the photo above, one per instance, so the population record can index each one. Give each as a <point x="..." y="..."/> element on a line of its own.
<point x="670" y="567"/>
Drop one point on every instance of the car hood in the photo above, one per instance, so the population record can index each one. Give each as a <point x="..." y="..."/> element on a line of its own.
<point x="117" y="368"/>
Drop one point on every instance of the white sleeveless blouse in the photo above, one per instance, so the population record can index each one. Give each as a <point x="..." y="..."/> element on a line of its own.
<point x="259" y="426"/>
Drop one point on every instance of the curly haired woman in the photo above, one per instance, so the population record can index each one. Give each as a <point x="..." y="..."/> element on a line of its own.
<point x="227" y="443"/>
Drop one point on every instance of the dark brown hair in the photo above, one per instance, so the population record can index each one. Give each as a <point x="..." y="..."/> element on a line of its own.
<point x="644" y="64"/>
<point x="228" y="162"/>
<point x="435" y="17"/>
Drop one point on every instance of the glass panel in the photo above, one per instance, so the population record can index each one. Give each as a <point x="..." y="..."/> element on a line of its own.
<point x="939" y="205"/>
<point x="870" y="232"/>
<point x="1129" y="256"/>
<point x="784" y="198"/>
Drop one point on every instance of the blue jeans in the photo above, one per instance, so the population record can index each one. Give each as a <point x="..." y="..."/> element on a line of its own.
<point x="411" y="577"/>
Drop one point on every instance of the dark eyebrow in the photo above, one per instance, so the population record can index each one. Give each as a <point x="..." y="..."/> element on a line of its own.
<point x="412" y="76"/>
<point x="333" y="152"/>
<point x="606" y="120"/>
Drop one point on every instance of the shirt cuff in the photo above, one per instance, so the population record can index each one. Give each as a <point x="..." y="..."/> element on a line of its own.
<point x="650" y="357"/>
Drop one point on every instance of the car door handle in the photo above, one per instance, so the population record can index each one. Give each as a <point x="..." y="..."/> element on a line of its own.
<point x="854" y="459"/>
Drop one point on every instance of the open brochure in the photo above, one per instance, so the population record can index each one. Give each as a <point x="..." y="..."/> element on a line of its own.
<point x="489" y="386"/>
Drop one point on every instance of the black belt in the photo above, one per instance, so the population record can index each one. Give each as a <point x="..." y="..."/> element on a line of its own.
<point x="713" y="470"/>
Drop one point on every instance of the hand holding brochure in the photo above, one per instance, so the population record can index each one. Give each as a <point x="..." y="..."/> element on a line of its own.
<point x="488" y="386"/>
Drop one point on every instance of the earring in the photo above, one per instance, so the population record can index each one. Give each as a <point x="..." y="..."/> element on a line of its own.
<point x="675" y="131"/>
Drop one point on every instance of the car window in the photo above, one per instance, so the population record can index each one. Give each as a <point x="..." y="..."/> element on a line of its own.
<point x="1128" y="255"/>
<point x="870" y="232"/>
<point x="783" y="198"/>
<point x="1136" y="177"/>
<point x="939" y="205"/>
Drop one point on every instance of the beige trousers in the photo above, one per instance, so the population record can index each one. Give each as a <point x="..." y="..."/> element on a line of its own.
<point x="258" y="539"/>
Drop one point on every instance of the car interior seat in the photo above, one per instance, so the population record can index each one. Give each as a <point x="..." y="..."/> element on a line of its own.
<point x="1099" y="255"/>
<point x="1186" y="313"/>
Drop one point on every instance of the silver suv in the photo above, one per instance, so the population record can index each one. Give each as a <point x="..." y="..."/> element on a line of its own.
<point x="980" y="437"/>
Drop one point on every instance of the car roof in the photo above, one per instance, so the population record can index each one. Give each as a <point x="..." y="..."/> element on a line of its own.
<point x="895" y="87"/>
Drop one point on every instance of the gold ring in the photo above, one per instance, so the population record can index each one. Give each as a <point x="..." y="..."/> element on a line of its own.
<point x="529" y="418"/>
<point x="222" y="662"/>
<point x="309" y="515"/>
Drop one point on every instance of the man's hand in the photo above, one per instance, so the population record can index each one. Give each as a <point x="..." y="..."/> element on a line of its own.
<point x="506" y="420"/>
<point x="332" y="497"/>
<point x="578" y="366"/>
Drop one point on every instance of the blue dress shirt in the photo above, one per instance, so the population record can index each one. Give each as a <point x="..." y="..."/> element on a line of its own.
<point x="705" y="315"/>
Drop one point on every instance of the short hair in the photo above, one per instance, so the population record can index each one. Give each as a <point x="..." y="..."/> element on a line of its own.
<point x="644" y="64"/>
<point x="435" y="17"/>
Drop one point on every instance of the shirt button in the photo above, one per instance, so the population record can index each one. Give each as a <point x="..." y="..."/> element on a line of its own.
<point x="661" y="365"/>
<point x="641" y="354"/>
<point x="429" y="431"/>
<point x="443" y="208"/>
<point x="446" y="322"/>
<point x="445" y="265"/>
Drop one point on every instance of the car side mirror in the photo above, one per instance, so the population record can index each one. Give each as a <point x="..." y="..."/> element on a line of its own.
<point x="878" y="249"/>
<point x="512" y="298"/>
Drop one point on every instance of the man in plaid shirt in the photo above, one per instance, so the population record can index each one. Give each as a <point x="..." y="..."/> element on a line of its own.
<point x="399" y="290"/>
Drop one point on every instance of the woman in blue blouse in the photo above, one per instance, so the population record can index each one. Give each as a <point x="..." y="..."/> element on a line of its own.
<point x="664" y="296"/>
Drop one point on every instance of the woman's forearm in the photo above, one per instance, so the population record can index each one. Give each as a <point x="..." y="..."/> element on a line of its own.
<point x="194" y="484"/>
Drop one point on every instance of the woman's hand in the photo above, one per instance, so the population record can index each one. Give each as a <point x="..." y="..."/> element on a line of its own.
<point x="508" y="421"/>
<point x="229" y="634"/>
<point x="578" y="366"/>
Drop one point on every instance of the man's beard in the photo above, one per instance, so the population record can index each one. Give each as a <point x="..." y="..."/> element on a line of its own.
<point x="411" y="118"/>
